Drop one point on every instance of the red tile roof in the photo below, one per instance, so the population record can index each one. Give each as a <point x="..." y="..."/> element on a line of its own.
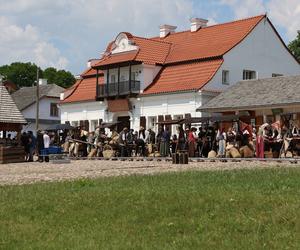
<point x="183" y="77"/>
<point x="84" y="89"/>
<point x="149" y="52"/>
<point x="117" y="58"/>
<point x="89" y="72"/>
<point x="209" y="42"/>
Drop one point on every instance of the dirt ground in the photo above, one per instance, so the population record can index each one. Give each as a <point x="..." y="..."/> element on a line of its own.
<point x="26" y="173"/>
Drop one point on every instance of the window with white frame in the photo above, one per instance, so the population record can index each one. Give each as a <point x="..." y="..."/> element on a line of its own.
<point x="225" y="77"/>
<point x="112" y="78"/>
<point x="152" y="120"/>
<point x="94" y="124"/>
<point x="249" y="74"/>
<point x="75" y="123"/>
<point x="53" y="109"/>
<point x="174" y="127"/>
<point x="133" y="76"/>
<point x="122" y="78"/>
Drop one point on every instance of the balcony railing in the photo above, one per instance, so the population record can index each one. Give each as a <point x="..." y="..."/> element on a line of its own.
<point x="119" y="89"/>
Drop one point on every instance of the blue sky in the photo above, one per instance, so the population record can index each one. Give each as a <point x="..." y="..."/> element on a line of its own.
<point x="66" y="33"/>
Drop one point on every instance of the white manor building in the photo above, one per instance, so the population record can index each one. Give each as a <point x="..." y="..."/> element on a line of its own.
<point x="141" y="81"/>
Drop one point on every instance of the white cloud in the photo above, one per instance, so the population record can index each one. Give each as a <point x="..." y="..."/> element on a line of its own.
<point x="27" y="44"/>
<point x="284" y="14"/>
<point x="245" y="8"/>
<point x="54" y="33"/>
<point x="81" y="29"/>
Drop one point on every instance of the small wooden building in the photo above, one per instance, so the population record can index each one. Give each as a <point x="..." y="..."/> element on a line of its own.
<point x="266" y="100"/>
<point x="11" y="119"/>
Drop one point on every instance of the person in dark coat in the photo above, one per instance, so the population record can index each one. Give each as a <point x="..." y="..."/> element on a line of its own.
<point x="165" y="143"/>
<point x="39" y="145"/>
<point x="25" y="144"/>
<point x="32" y="145"/>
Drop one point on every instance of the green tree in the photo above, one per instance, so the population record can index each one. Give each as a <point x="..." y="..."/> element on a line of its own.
<point x="22" y="74"/>
<point x="50" y="74"/>
<point x="62" y="78"/>
<point x="294" y="46"/>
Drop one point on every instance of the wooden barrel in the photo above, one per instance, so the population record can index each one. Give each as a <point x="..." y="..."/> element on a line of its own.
<point x="183" y="158"/>
<point x="175" y="158"/>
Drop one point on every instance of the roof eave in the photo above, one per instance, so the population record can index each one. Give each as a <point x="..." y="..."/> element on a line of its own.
<point x="249" y="107"/>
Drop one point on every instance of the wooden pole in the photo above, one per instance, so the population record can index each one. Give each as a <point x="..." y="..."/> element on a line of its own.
<point x="37" y="101"/>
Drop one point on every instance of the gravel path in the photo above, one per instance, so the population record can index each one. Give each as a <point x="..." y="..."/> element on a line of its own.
<point x="26" y="173"/>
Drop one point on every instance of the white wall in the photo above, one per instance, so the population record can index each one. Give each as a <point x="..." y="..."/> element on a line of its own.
<point x="83" y="111"/>
<point x="149" y="72"/>
<point x="150" y="106"/>
<point x="168" y="104"/>
<point x="44" y="109"/>
<point x="261" y="51"/>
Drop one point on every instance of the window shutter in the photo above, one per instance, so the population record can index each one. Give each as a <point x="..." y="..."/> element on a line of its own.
<point x="187" y="116"/>
<point x="259" y="120"/>
<point x="168" y="118"/>
<point x="143" y="121"/>
<point x="81" y="124"/>
<point x="86" y="125"/>
<point x="160" y="118"/>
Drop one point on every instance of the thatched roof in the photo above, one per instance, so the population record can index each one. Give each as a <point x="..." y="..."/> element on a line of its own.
<point x="9" y="112"/>
<point x="263" y="93"/>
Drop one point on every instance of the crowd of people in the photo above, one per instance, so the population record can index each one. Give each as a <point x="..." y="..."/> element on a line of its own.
<point x="203" y="141"/>
<point x="197" y="142"/>
<point x="33" y="145"/>
<point x="212" y="140"/>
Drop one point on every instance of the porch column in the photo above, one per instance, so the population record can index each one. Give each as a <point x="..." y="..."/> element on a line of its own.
<point x="107" y="82"/>
<point x="118" y="80"/>
<point x="129" y="78"/>
<point x="97" y="84"/>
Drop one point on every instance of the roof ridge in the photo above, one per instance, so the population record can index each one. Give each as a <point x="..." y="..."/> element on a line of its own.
<point x="210" y="26"/>
<point x="153" y="40"/>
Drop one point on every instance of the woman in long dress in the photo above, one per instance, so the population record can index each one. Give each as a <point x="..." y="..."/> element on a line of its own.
<point x="165" y="143"/>
<point x="192" y="142"/>
<point x="260" y="153"/>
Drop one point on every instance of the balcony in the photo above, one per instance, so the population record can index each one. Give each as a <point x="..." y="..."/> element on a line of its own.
<point x="119" y="89"/>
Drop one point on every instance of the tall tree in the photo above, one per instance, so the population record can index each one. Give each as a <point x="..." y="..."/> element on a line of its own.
<point x="22" y="74"/>
<point x="294" y="46"/>
<point x="50" y="74"/>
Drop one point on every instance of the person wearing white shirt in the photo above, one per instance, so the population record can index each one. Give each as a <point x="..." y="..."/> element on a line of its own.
<point x="46" y="139"/>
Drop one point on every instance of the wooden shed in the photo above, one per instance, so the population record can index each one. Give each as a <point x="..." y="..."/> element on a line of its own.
<point x="11" y="119"/>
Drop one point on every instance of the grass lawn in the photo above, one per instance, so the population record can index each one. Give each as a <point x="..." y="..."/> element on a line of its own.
<point x="245" y="209"/>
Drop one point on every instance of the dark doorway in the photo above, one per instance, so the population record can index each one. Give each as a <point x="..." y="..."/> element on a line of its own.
<point x="123" y="121"/>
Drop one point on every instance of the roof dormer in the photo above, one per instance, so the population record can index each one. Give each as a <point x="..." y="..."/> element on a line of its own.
<point x="123" y="43"/>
